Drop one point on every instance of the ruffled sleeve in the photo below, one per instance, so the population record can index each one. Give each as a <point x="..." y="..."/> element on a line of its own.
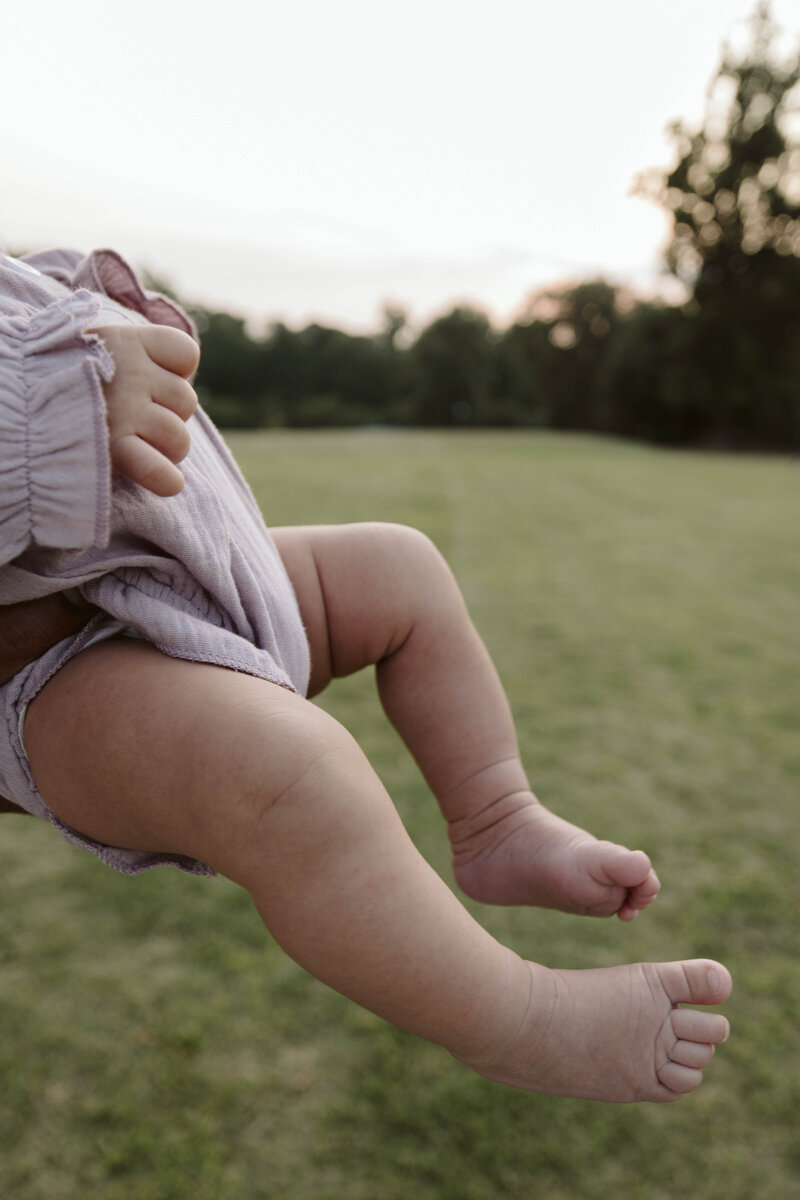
<point x="108" y="273"/>
<point x="54" y="454"/>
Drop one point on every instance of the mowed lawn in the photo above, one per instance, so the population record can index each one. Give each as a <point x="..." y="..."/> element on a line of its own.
<point x="642" y="607"/>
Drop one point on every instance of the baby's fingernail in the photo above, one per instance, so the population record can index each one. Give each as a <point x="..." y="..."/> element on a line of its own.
<point x="713" y="981"/>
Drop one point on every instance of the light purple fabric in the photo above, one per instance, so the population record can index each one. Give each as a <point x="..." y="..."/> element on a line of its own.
<point x="195" y="574"/>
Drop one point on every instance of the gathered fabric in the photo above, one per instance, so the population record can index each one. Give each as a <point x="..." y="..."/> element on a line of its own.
<point x="197" y="575"/>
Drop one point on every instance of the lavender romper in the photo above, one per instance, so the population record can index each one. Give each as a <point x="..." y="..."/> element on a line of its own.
<point x="197" y="574"/>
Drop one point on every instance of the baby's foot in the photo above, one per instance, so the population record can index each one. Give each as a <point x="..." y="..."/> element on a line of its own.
<point x="518" y="852"/>
<point x="616" y="1033"/>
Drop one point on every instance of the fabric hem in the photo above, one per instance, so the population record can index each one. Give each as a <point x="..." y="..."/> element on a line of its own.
<point x="126" y="861"/>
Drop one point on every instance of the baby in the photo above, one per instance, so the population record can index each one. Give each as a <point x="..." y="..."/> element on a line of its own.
<point x="158" y="746"/>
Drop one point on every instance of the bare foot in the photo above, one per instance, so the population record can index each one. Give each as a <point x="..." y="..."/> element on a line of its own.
<point x="616" y="1033"/>
<point x="518" y="852"/>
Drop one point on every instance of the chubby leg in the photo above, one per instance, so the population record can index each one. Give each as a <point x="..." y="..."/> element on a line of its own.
<point x="275" y="794"/>
<point x="383" y="595"/>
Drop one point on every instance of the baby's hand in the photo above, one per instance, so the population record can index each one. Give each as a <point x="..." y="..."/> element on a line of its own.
<point x="148" y="402"/>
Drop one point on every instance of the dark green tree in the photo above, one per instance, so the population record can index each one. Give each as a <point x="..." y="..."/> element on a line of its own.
<point x="451" y="370"/>
<point x="734" y="197"/>
<point x="230" y="380"/>
<point x="323" y="376"/>
<point x="552" y="359"/>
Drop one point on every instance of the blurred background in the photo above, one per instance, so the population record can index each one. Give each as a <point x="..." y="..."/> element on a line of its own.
<point x="505" y="227"/>
<point x="573" y="216"/>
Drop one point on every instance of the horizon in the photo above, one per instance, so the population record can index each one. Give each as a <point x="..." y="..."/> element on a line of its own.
<point x="339" y="161"/>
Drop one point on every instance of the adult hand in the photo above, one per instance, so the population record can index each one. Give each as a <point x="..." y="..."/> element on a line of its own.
<point x="30" y="628"/>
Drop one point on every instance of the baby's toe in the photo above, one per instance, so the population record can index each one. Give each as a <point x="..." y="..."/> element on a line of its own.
<point x="621" y="866"/>
<point x="689" y="1025"/>
<point x="696" y="981"/>
<point x="680" y="1079"/>
<point x="640" y="897"/>
<point x="644" y="893"/>
<point x="692" y="1054"/>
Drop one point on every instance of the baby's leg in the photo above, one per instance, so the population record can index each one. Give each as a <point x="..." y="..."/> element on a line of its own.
<point x="139" y="750"/>
<point x="382" y="594"/>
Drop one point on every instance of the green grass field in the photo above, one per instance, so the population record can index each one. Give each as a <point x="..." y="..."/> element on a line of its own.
<point x="642" y="607"/>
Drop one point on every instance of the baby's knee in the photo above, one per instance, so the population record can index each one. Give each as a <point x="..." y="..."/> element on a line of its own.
<point x="405" y="540"/>
<point x="279" y="764"/>
<point x="409" y="556"/>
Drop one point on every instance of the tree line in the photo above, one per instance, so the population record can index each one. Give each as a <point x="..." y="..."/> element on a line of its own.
<point x="720" y="369"/>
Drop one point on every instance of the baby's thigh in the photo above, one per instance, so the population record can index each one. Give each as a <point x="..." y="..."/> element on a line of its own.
<point x="136" y="749"/>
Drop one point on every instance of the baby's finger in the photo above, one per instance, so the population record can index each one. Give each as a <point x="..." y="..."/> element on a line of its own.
<point x="143" y="464"/>
<point x="173" y="392"/>
<point x="171" y="349"/>
<point x="165" y="432"/>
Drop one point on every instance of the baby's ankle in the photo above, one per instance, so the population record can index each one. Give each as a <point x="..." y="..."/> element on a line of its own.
<point x="481" y="827"/>
<point x="477" y="793"/>
<point x="520" y="986"/>
<point x="532" y="1004"/>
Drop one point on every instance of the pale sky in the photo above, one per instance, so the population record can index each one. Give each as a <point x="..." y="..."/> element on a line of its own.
<point x="315" y="159"/>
